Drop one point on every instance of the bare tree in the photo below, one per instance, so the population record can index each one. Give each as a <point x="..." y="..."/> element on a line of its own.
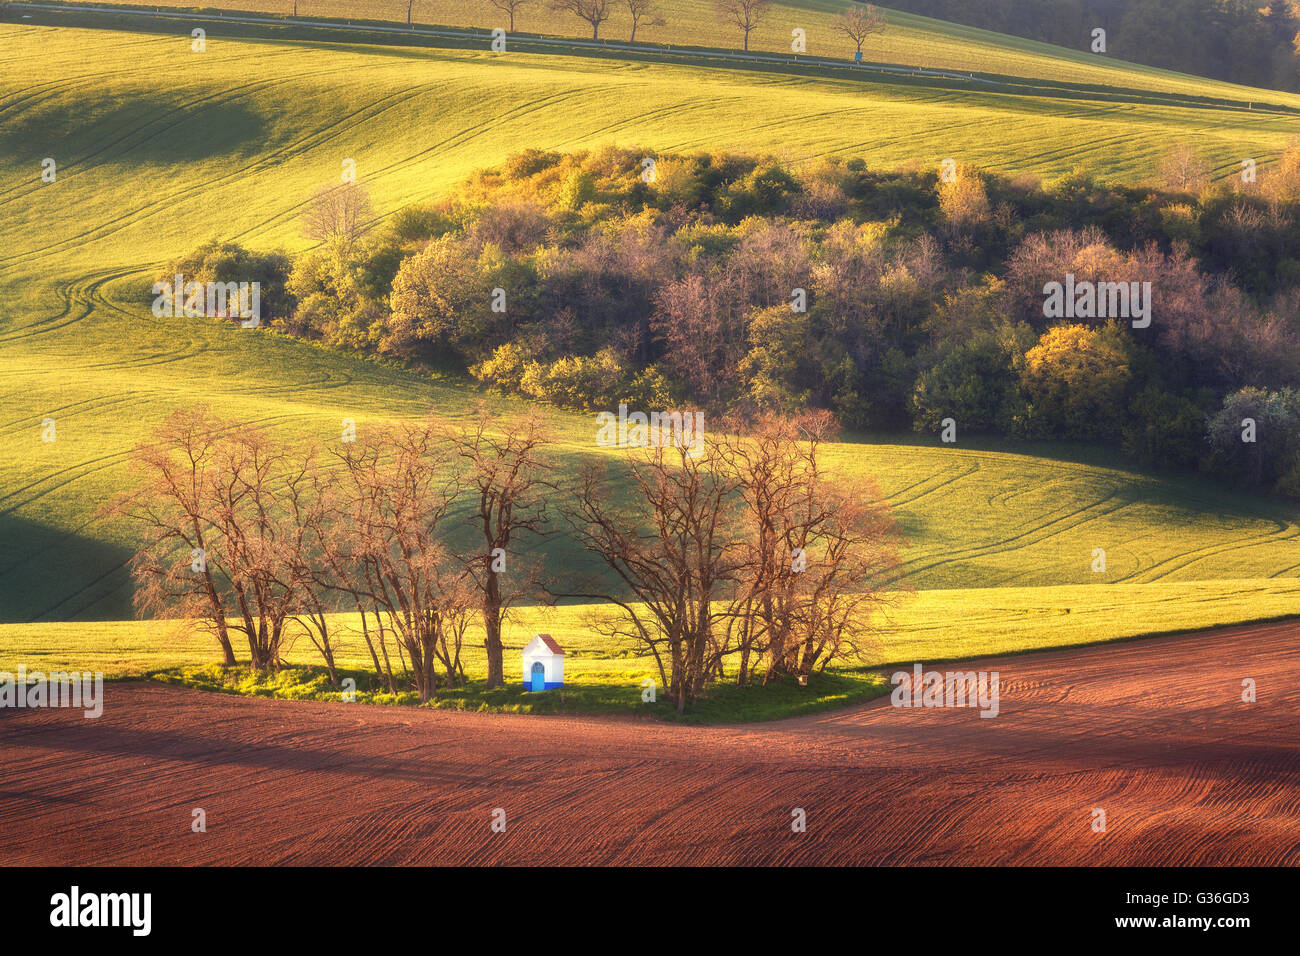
<point x="338" y="215"/>
<point x="219" y="501"/>
<point x="817" y="558"/>
<point x="594" y="12"/>
<point x="746" y="14"/>
<point x="508" y="487"/>
<point x="1182" y="167"/>
<point x="509" y="7"/>
<point x="643" y="10"/>
<point x="255" y="483"/>
<point x="397" y="488"/>
<point x="410" y="5"/>
<point x="176" y="572"/>
<point x="859" y="23"/>
<point x="671" y="551"/>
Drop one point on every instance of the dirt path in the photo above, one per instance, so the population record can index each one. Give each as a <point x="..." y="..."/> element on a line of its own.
<point x="1153" y="732"/>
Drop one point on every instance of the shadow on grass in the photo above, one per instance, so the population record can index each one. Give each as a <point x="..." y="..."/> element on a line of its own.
<point x="49" y="573"/>
<point x="724" y="703"/>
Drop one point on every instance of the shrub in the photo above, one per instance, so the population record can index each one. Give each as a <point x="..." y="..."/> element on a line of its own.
<point x="1165" y="429"/>
<point x="972" y="382"/>
<point x="218" y="261"/>
<point x="1272" y="459"/>
<point x="1074" y="380"/>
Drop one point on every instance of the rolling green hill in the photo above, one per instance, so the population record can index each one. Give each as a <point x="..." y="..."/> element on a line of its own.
<point x="909" y="40"/>
<point x="158" y="148"/>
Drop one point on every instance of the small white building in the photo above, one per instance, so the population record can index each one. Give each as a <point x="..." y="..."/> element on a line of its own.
<point x="543" y="664"/>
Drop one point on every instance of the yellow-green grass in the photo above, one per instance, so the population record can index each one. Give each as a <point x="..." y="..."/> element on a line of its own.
<point x="909" y="40"/>
<point x="159" y="149"/>
<point x="607" y="676"/>
<point x="925" y="626"/>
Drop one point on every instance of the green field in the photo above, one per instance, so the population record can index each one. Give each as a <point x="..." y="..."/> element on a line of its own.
<point x="909" y="40"/>
<point x="928" y="626"/>
<point x="159" y="149"/>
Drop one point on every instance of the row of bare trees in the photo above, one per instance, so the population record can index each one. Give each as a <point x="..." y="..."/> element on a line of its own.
<point x="858" y="23"/>
<point x="735" y="558"/>
<point x="249" y="538"/>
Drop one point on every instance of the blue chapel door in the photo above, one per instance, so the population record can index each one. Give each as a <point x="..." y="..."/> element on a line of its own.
<point x="539" y="676"/>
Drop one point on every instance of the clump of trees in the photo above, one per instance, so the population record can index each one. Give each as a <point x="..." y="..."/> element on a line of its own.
<point x="742" y="561"/>
<point x="1246" y="42"/>
<point x="748" y="558"/>
<point x="893" y="300"/>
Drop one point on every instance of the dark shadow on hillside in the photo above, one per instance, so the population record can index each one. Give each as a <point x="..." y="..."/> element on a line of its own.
<point x="50" y="574"/>
<point x="94" y="126"/>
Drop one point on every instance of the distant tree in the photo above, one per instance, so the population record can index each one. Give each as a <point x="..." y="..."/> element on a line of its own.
<point x="964" y="202"/>
<point x="410" y="4"/>
<point x="1253" y="438"/>
<point x="641" y="10"/>
<point x="972" y="381"/>
<point x="745" y="14"/>
<point x="338" y="216"/>
<point x="1281" y="20"/>
<point x="509" y="7"/>
<point x="1183" y="168"/>
<point x="437" y="302"/>
<point x="1282" y="179"/>
<point x="701" y="323"/>
<point x="860" y="23"/>
<point x="594" y="12"/>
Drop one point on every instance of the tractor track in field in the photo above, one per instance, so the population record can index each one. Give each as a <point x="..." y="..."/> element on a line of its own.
<point x="1049" y="526"/>
<point x="1153" y="732"/>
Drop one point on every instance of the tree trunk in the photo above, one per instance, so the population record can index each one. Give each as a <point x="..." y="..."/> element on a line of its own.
<point x="365" y="632"/>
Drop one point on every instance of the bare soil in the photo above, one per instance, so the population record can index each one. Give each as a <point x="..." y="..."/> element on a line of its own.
<point x="1153" y="732"/>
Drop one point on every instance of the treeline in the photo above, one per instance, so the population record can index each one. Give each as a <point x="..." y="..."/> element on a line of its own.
<point x="1244" y="41"/>
<point x="732" y="558"/>
<point x="893" y="300"/>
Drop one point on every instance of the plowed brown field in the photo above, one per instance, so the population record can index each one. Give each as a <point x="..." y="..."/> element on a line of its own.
<point x="1153" y="732"/>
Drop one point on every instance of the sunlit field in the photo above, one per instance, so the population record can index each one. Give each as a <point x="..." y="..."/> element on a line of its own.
<point x="158" y="148"/>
